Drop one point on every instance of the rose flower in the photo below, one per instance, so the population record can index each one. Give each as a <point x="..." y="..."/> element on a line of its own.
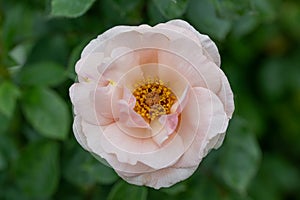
<point x="151" y="102"/>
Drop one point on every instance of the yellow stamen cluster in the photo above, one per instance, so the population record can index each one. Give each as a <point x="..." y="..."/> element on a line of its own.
<point x="153" y="99"/>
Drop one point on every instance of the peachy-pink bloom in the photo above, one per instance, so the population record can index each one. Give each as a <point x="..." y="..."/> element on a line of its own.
<point x="151" y="102"/>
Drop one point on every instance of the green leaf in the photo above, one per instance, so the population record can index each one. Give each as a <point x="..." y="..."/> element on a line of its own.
<point x="4" y="123"/>
<point x="233" y="9"/>
<point x="205" y="188"/>
<point x="123" y="190"/>
<point x="37" y="170"/>
<point x="9" y="94"/>
<point x="56" y="48"/>
<point x="42" y="74"/>
<point x="266" y="9"/>
<point x="171" y="8"/>
<point x="8" y="149"/>
<point x="3" y="162"/>
<point x="202" y="14"/>
<point x="11" y="28"/>
<point x="67" y="8"/>
<point x="276" y="175"/>
<point x="82" y="169"/>
<point x="155" y="16"/>
<point x="176" y="189"/>
<point x="240" y="157"/>
<point x="124" y="11"/>
<point x="46" y="112"/>
<point x="273" y="81"/>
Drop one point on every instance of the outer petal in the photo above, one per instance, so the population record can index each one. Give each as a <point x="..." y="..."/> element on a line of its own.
<point x="122" y="61"/>
<point x="79" y="135"/>
<point x="104" y="101"/>
<point x="103" y="38"/>
<point x="93" y="134"/>
<point x="132" y="38"/>
<point x="128" y="152"/>
<point x="210" y="48"/>
<point x="216" y="120"/>
<point x="83" y="97"/>
<point x="86" y="68"/>
<point x="160" y="178"/>
<point x="226" y="96"/>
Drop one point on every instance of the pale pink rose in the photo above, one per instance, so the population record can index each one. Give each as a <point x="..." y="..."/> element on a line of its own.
<point x="151" y="102"/>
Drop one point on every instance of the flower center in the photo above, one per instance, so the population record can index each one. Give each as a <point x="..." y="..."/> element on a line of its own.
<point x="153" y="99"/>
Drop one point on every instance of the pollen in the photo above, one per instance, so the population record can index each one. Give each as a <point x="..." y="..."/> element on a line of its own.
<point x="153" y="99"/>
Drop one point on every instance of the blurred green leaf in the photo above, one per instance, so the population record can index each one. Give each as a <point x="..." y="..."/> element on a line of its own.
<point x="4" y="123"/>
<point x="20" y="52"/>
<point x="46" y="112"/>
<point x="66" y="8"/>
<point x="176" y="189"/>
<point x="290" y="18"/>
<point x="155" y="16"/>
<point x="252" y="113"/>
<point x="233" y="9"/>
<point x="207" y="189"/>
<point x="244" y="24"/>
<point x="42" y="74"/>
<point x="266" y="9"/>
<point x="82" y="169"/>
<point x="171" y="8"/>
<point x="67" y="191"/>
<point x="124" y="12"/>
<point x="240" y="156"/>
<point x="202" y="14"/>
<point x="37" y="170"/>
<point x="123" y="190"/>
<point x="9" y="94"/>
<point x="8" y="148"/>
<point x="277" y="175"/>
<point x="13" y="30"/>
<point x="50" y="48"/>
<point x="274" y="78"/>
<point x="3" y="162"/>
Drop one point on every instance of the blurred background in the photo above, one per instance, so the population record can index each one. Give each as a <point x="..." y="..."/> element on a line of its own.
<point x="40" y="41"/>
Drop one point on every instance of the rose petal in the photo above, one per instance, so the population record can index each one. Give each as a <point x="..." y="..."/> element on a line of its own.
<point x="203" y="74"/>
<point x="131" y="154"/>
<point x="226" y="96"/>
<point x="160" y="178"/>
<point x="133" y="38"/>
<point x="104" y="101"/>
<point x="163" y="127"/>
<point x="80" y="94"/>
<point x="79" y="135"/>
<point x="210" y="48"/>
<point x="147" y="56"/>
<point x="86" y="68"/>
<point x="83" y="96"/>
<point x="205" y="117"/>
<point x="127" y="116"/>
<point x="93" y="134"/>
<point x="181" y="102"/>
<point x="120" y="66"/>
<point x="103" y="39"/>
<point x="216" y="123"/>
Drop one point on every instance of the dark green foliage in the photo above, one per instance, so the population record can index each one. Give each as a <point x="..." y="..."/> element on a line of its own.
<point x="40" y="42"/>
